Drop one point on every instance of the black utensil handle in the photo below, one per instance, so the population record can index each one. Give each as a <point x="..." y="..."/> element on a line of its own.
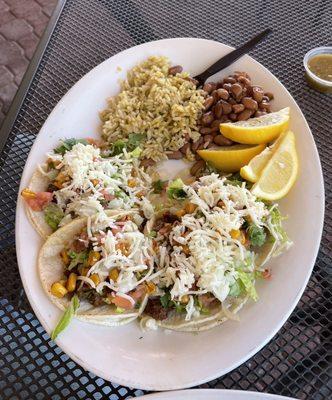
<point x="231" y="57"/>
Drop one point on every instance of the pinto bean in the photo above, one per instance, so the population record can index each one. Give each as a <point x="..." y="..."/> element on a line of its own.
<point x="220" y="140"/>
<point x="147" y="162"/>
<point x="176" y="155"/>
<point x="208" y="103"/>
<point x="244" y="115"/>
<point x="198" y="168"/>
<point x="207" y="118"/>
<point x="195" y="145"/>
<point x="250" y="103"/>
<point x="223" y="94"/>
<point x="177" y="69"/>
<point x="237" y="108"/>
<point x="185" y="148"/>
<point x="205" y="130"/>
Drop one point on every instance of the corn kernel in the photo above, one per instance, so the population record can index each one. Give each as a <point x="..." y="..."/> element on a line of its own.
<point x="64" y="257"/>
<point x="109" y="299"/>
<point x="60" y="180"/>
<point x="113" y="274"/>
<point x="180" y="213"/>
<point x="184" y="299"/>
<point x="95" y="278"/>
<point x="151" y="287"/>
<point x="140" y="194"/>
<point x="71" y="283"/>
<point x="94" y="182"/>
<point x="243" y="238"/>
<point x="190" y="208"/>
<point x="61" y="177"/>
<point x="94" y="256"/>
<point x="123" y="247"/>
<point x="58" y="290"/>
<point x="235" y="233"/>
<point x="28" y="194"/>
<point x="131" y="183"/>
<point x="85" y="271"/>
<point x="57" y="184"/>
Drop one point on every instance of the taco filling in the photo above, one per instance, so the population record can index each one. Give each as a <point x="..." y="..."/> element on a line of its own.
<point x="207" y="249"/>
<point x="82" y="179"/>
<point x="108" y="262"/>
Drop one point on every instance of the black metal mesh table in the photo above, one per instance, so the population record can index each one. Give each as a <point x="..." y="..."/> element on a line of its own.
<point x="296" y="362"/>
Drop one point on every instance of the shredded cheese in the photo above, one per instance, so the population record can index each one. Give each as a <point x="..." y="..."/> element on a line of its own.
<point x="125" y="249"/>
<point x="93" y="183"/>
<point x="213" y="255"/>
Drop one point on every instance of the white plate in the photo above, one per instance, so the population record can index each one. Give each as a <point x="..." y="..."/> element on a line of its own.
<point x="213" y="394"/>
<point x="161" y="360"/>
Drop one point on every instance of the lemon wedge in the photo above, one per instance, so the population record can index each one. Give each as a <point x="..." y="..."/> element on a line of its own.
<point x="258" y="130"/>
<point x="231" y="158"/>
<point x="253" y="170"/>
<point x="280" y="172"/>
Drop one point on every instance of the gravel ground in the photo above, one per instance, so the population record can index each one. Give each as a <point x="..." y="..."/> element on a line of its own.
<point x="22" y="23"/>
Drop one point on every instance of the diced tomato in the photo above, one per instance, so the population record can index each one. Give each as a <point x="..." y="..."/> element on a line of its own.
<point x="41" y="200"/>
<point x="107" y="196"/>
<point x="122" y="303"/>
<point x="266" y="274"/>
<point x="94" y="142"/>
<point x="138" y="293"/>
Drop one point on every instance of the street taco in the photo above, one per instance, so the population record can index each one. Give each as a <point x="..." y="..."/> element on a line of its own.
<point x="80" y="179"/>
<point x="105" y="261"/>
<point x="209" y="253"/>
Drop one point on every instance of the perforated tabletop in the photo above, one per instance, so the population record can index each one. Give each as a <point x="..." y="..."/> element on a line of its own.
<point x="296" y="362"/>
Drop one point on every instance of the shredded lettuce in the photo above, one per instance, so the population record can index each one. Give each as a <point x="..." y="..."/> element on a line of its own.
<point x="66" y="317"/>
<point x="165" y="300"/>
<point x="199" y="306"/>
<point x="120" y="194"/>
<point x="259" y="274"/>
<point x="244" y="284"/>
<point x="257" y="235"/>
<point x="276" y="222"/>
<point x="77" y="258"/>
<point x="278" y="234"/>
<point x="68" y="144"/>
<point x="53" y="214"/>
<point x="158" y="186"/>
<point x="131" y="145"/>
<point x="117" y="147"/>
<point x="152" y="234"/>
<point x="136" y="152"/>
<point x="248" y="281"/>
<point x="134" y="140"/>
<point x="237" y="180"/>
<point x="236" y="289"/>
<point x="175" y="190"/>
<point x="179" y="308"/>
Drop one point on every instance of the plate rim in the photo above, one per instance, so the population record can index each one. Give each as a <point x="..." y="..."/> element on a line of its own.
<point x="261" y="395"/>
<point x="189" y="383"/>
